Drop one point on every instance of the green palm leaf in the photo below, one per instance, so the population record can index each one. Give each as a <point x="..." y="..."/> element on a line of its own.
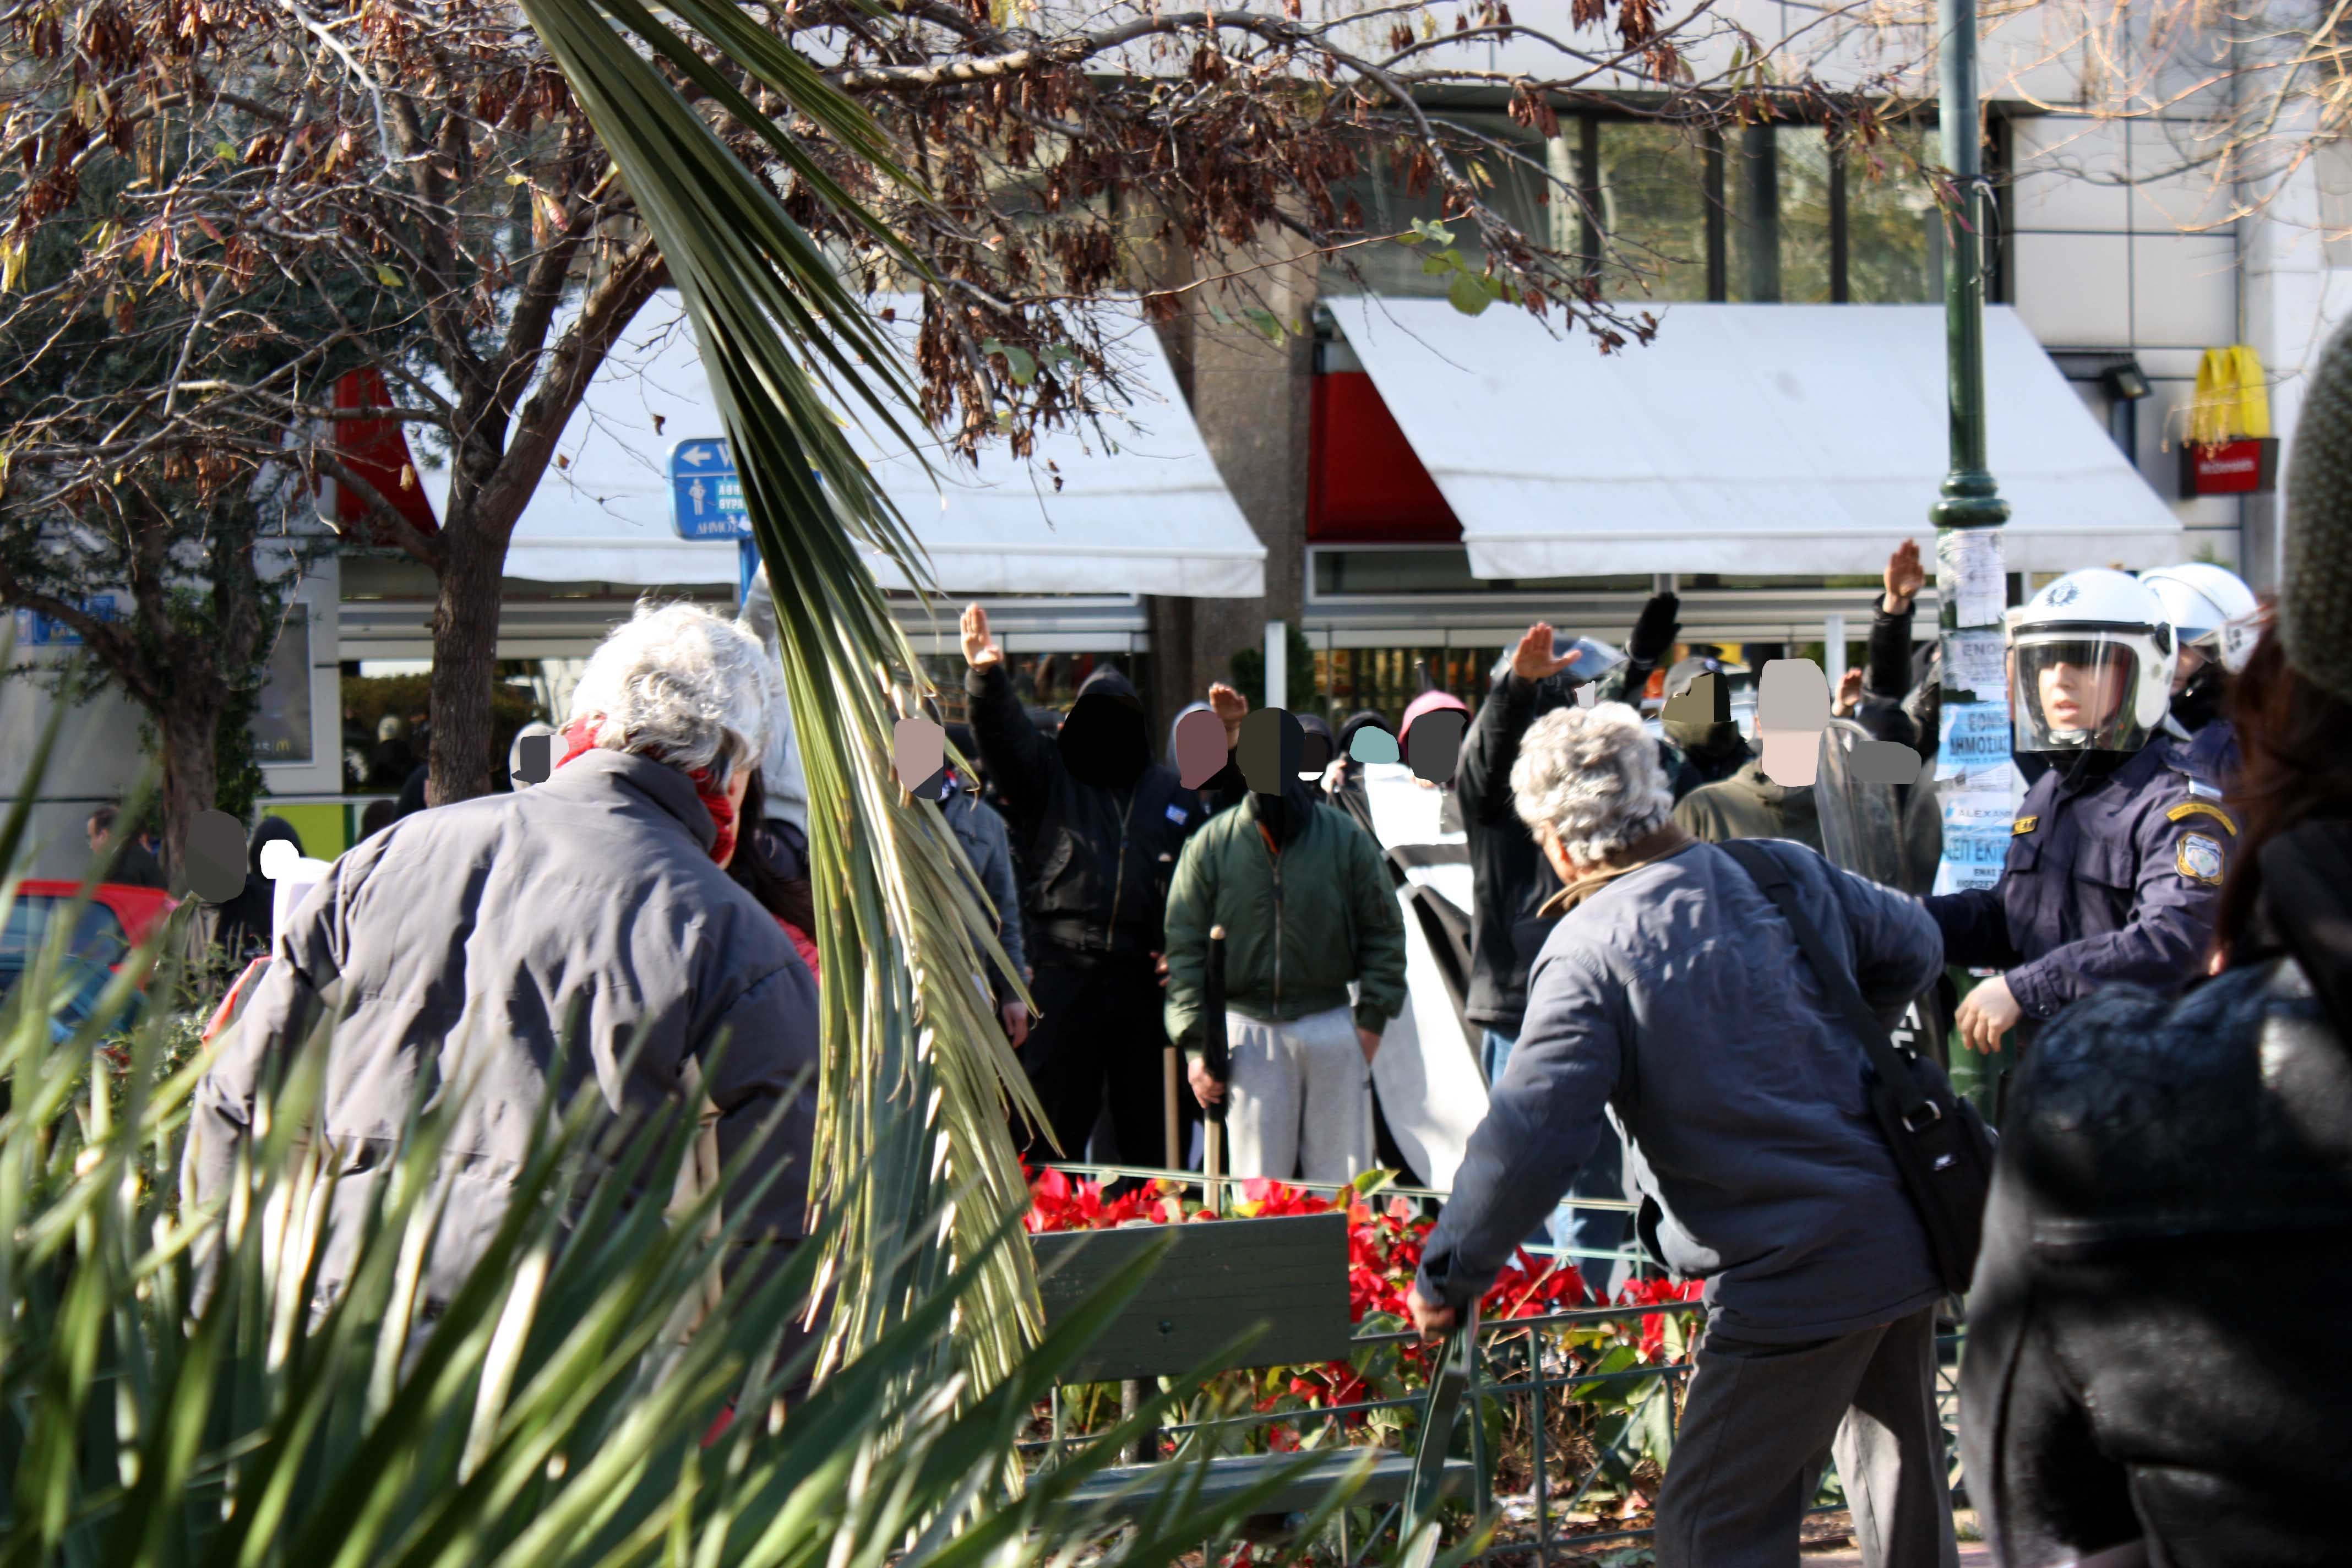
<point x="917" y="1073"/>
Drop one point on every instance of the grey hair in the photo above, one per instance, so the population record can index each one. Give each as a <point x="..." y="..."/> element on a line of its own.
<point x="684" y="684"/>
<point x="1590" y="776"/>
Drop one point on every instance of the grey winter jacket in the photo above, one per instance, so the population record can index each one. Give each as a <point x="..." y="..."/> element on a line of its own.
<point x="989" y="846"/>
<point x="1676" y="997"/>
<point x="458" y="944"/>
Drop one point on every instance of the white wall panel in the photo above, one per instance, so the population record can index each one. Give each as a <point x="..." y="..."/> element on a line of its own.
<point x="2171" y="189"/>
<point x="2070" y="287"/>
<point x="2184" y="290"/>
<point x="2067" y="171"/>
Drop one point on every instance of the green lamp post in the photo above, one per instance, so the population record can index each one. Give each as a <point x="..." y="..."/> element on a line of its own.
<point x="1971" y="578"/>
<point x="1973" y="776"/>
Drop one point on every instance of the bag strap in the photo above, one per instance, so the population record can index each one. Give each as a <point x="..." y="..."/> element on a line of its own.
<point x="1764" y="868"/>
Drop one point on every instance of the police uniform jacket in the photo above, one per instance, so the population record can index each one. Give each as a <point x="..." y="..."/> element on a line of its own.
<point x="2108" y="877"/>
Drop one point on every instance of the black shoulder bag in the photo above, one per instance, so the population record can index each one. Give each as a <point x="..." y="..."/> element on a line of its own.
<point x="1940" y="1144"/>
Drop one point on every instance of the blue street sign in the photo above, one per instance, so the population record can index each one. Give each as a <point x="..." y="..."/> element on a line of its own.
<point x="706" y="495"/>
<point x="34" y="629"/>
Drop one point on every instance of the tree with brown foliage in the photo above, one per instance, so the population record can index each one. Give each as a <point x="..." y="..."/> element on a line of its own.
<point x="420" y="172"/>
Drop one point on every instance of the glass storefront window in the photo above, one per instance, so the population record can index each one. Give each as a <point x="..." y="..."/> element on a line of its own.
<point x="1388" y="205"/>
<point x="282" y="714"/>
<point x="1777" y="182"/>
<point x="1437" y="570"/>
<point x="1893" y="234"/>
<point x="1386" y="679"/>
<point x="1515" y="173"/>
<point x="1653" y="210"/>
<point x="1790" y="218"/>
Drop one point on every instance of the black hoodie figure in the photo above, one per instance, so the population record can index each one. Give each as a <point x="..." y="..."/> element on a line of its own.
<point x="1099" y="826"/>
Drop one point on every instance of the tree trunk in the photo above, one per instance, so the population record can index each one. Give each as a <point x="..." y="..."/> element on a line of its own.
<point x="464" y="662"/>
<point x="191" y="777"/>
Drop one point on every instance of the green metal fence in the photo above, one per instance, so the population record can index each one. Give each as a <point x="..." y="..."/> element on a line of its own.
<point x="1522" y="1372"/>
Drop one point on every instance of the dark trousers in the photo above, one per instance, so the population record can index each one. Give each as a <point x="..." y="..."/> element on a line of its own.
<point x="1746" y="1462"/>
<point x="1099" y="1036"/>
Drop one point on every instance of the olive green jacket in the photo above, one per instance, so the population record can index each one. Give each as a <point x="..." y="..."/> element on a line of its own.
<point x="1298" y="927"/>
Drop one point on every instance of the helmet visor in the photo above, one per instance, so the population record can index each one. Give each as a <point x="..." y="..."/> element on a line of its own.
<point x="2078" y="690"/>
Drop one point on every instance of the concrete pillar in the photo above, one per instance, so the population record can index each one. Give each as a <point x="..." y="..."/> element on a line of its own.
<point x="1250" y="396"/>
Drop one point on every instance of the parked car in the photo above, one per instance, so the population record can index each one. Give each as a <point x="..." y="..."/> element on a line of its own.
<point x="116" y="919"/>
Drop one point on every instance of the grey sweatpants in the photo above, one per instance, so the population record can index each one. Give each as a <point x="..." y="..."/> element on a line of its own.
<point x="1302" y="1097"/>
<point x="1754" y="1425"/>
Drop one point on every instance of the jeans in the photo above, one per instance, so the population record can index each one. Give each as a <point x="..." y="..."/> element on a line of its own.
<point x="1580" y="1230"/>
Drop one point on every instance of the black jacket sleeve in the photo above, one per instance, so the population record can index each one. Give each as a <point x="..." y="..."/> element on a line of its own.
<point x="1888" y="673"/>
<point x="1023" y="761"/>
<point x="1482" y="779"/>
<point x="1975" y="928"/>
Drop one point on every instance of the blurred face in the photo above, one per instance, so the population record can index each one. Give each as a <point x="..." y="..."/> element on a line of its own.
<point x="98" y="838"/>
<point x="2080" y="696"/>
<point x="2186" y="665"/>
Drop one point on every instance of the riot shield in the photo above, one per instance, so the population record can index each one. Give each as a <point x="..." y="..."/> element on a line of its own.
<point x="1861" y="823"/>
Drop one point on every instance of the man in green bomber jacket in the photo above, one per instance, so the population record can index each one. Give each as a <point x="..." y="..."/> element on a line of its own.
<point x="1308" y="908"/>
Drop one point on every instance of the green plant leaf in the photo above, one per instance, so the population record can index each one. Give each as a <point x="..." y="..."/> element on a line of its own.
<point x="917" y="1073"/>
<point x="1469" y="294"/>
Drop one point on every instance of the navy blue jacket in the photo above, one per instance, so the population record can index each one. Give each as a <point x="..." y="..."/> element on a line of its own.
<point x="2112" y="878"/>
<point x="1675" y="998"/>
<point x="2212" y="753"/>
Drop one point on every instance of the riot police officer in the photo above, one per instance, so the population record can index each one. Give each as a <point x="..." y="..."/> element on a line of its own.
<point x="2117" y="857"/>
<point x="2216" y="621"/>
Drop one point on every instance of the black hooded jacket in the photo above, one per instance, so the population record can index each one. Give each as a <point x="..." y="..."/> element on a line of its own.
<point x="248" y="921"/>
<point x="1098" y="823"/>
<point x="1509" y="874"/>
<point x="2156" y="1344"/>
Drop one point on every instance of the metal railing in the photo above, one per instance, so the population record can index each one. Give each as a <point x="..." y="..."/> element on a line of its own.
<point x="1523" y="1364"/>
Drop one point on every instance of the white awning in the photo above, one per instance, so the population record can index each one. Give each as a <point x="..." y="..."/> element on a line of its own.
<point x="1781" y="440"/>
<point x="1141" y="508"/>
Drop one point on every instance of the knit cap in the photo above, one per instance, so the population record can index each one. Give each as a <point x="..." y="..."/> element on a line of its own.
<point x="2316" y="605"/>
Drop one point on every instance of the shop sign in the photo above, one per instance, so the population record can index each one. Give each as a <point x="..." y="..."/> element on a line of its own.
<point x="2247" y="467"/>
<point x="34" y="629"/>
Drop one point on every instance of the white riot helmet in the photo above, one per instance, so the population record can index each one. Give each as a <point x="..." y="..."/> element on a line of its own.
<point x="2212" y="609"/>
<point x="2091" y="665"/>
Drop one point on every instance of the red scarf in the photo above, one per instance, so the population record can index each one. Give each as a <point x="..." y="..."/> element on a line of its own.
<point x="581" y="736"/>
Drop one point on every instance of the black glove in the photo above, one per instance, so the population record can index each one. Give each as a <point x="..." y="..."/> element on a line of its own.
<point x="1654" y="633"/>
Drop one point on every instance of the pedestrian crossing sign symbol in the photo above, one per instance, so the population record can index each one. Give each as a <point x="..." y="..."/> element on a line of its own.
<point x="2200" y="860"/>
<point x="706" y="492"/>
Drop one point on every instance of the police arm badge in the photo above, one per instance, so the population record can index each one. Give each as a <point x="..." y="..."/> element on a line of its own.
<point x="2198" y="858"/>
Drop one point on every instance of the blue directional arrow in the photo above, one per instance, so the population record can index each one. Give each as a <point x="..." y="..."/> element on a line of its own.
<point x="706" y="495"/>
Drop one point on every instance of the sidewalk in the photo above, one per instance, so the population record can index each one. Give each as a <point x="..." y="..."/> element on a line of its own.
<point x="1835" y="1532"/>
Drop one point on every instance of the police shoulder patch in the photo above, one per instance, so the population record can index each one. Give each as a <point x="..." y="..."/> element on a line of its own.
<point x="1177" y="815"/>
<point x="2189" y="808"/>
<point x="2200" y="860"/>
<point x="2023" y="826"/>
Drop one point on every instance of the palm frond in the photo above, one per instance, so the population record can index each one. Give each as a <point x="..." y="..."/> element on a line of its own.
<point x="917" y="1073"/>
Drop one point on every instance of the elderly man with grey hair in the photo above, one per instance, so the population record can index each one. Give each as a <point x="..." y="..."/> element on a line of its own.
<point x="581" y="935"/>
<point x="1673" y="998"/>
